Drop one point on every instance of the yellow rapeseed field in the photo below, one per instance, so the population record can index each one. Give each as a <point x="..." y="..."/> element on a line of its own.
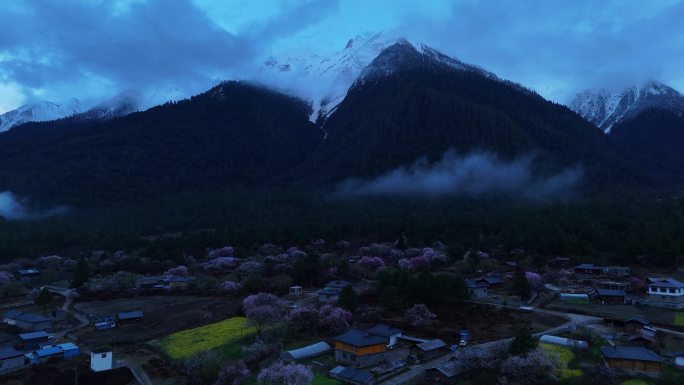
<point x="184" y="344"/>
<point x="564" y="356"/>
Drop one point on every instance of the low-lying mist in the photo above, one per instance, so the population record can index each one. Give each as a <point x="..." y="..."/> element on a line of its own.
<point x="470" y="176"/>
<point x="12" y="208"/>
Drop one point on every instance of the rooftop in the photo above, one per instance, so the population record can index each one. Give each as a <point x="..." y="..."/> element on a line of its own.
<point x="356" y="375"/>
<point x="384" y="330"/>
<point x="9" y="352"/>
<point x="431" y="345"/>
<point x="630" y="353"/>
<point x="587" y="266"/>
<point x="667" y="282"/>
<point x="360" y="338"/>
<point x="51" y="351"/>
<point x="611" y="292"/>
<point x="33" y="335"/>
<point x="338" y="284"/>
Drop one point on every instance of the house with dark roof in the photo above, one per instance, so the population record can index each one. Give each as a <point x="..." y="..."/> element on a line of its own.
<point x="10" y="358"/>
<point x="632" y="358"/>
<point x="355" y="376"/>
<point x="492" y="281"/>
<point x="635" y="323"/>
<point x="360" y="348"/>
<point x="429" y="350"/>
<point x="32" y="340"/>
<point x="444" y="373"/>
<point x="389" y="332"/>
<point x="616" y="271"/>
<point x="611" y="295"/>
<point x="587" y="269"/>
<point x="476" y="289"/>
<point x="26" y="321"/>
<point x="666" y="290"/>
<point x="27" y="273"/>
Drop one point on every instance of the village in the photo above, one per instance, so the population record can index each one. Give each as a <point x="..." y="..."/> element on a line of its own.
<point x="383" y="313"/>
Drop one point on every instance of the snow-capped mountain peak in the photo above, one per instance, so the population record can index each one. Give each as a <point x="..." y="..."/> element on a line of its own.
<point x="605" y="108"/>
<point x="41" y="111"/>
<point x="325" y="79"/>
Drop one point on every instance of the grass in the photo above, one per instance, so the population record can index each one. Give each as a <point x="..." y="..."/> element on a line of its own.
<point x="322" y="380"/>
<point x="635" y="382"/>
<point x="564" y="356"/>
<point x="679" y="319"/>
<point x="222" y="336"/>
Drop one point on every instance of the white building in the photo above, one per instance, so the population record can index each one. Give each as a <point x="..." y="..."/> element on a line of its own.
<point x="666" y="289"/>
<point x="101" y="359"/>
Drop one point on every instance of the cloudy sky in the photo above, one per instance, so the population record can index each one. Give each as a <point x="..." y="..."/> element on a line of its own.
<point x="55" y="50"/>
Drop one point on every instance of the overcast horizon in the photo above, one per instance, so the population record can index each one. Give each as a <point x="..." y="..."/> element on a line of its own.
<point x="95" y="49"/>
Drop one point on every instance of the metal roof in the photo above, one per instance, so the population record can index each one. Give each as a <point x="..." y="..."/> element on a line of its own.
<point x="384" y="330"/>
<point x="67" y="346"/>
<point x="330" y="291"/>
<point x="640" y="319"/>
<point x="357" y="375"/>
<point x="611" y="293"/>
<point x="431" y="345"/>
<point x="9" y="352"/>
<point x="630" y="353"/>
<point x="338" y="284"/>
<point x="590" y="266"/>
<point x="33" y="335"/>
<point x="130" y="315"/>
<point x="306" y="352"/>
<point x="667" y="282"/>
<point x="360" y="338"/>
<point x="451" y="368"/>
<point x="51" y="351"/>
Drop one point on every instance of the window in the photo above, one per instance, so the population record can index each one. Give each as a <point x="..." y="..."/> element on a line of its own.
<point x="673" y="291"/>
<point x="104" y="355"/>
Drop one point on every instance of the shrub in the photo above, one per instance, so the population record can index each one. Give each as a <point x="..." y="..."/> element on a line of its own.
<point x="280" y="373"/>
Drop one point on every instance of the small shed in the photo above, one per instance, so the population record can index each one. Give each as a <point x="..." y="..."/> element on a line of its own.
<point x="306" y="352"/>
<point x="295" y="290"/>
<point x="40" y="356"/>
<point x="634" y="324"/>
<point x="33" y="340"/>
<point x="611" y="295"/>
<point x="445" y="373"/>
<point x="130" y="316"/>
<point x="10" y="358"/>
<point x="587" y="269"/>
<point x="101" y="359"/>
<point x="356" y="376"/>
<point x="430" y="349"/>
<point x="70" y="350"/>
<point x="476" y="289"/>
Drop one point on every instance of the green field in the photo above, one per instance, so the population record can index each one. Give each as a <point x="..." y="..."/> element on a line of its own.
<point x="224" y="337"/>
<point x="322" y="380"/>
<point x="564" y="356"/>
<point x="679" y="319"/>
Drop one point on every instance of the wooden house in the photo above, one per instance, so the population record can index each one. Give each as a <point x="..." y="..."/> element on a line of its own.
<point x="360" y="348"/>
<point x="632" y="358"/>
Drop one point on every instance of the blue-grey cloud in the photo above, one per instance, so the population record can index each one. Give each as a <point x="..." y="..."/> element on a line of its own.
<point x="475" y="175"/>
<point x="60" y="49"/>
<point x="13" y="208"/>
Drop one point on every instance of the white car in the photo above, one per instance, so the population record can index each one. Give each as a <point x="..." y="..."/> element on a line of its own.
<point x="526" y="308"/>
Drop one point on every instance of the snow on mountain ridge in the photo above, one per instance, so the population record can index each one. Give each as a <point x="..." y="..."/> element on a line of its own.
<point x="42" y="111"/>
<point x="604" y="108"/>
<point x="325" y="80"/>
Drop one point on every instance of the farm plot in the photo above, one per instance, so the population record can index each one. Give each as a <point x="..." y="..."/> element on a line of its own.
<point x="163" y="315"/>
<point x="224" y="337"/>
<point x="564" y="356"/>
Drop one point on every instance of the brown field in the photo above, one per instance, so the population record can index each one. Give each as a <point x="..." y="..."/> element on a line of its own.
<point x="163" y="315"/>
